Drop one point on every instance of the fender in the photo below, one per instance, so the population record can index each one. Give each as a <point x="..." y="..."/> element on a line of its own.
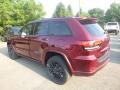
<point x="62" y="54"/>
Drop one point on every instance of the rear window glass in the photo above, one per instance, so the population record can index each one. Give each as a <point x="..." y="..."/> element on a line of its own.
<point x="112" y="23"/>
<point x="59" y="28"/>
<point x="94" y="29"/>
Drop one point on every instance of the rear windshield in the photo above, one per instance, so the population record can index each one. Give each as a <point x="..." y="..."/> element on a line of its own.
<point x="94" y="29"/>
<point x="112" y="24"/>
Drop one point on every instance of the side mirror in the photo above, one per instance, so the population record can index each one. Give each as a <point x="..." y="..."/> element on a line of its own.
<point x="23" y="34"/>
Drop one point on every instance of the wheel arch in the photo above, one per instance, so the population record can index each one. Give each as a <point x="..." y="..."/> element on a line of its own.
<point x="8" y="43"/>
<point x="49" y="54"/>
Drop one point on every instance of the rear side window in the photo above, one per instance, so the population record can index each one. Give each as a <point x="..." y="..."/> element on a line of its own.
<point x="59" y="28"/>
<point x="41" y="28"/>
<point x="94" y="29"/>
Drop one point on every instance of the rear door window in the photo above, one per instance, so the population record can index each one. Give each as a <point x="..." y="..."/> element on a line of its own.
<point x="42" y="28"/>
<point x="59" y="28"/>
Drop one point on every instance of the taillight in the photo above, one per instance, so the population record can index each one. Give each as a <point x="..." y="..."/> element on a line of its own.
<point x="91" y="45"/>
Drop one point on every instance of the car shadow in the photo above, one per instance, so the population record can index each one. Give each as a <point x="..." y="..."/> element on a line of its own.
<point x="41" y="69"/>
<point x="29" y="63"/>
<point x="115" y="51"/>
<point x="114" y="56"/>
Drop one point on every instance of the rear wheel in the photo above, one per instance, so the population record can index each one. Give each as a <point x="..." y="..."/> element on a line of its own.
<point x="57" y="70"/>
<point x="12" y="53"/>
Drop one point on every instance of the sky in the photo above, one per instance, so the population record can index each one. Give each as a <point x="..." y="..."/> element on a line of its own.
<point x="50" y="5"/>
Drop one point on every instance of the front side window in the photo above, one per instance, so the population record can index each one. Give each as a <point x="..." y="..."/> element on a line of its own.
<point x="41" y="28"/>
<point x="27" y="30"/>
<point x="59" y="28"/>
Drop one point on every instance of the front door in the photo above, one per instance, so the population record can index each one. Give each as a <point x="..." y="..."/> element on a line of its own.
<point x="22" y="41"/>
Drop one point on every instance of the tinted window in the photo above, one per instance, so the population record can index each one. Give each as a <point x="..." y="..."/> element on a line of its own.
<point x="94" y="29"/>
<point x="59" y="28"/>
<point x="15" y="30"/>
<point x="27" y="30"/>
<point x="112" y="23"/>
<point x="42" y="28"/>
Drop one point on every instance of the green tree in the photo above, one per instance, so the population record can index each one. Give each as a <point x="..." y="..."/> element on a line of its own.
<point x="113" y="13"/>
<point x="2" y="31"/>
<point x="78" y="14"/>
<point x="60" y="11"/>
<point x="83" y="14"/>
<point x="19" y="12"/>
<point x="69" y="11"/>
<point x="32" y="10"/>
<point x="18" y="15"/>
<point x="99" y="14"/>
<point x="26" y="11"/>
<point x="5" y="12"/>
<point x="96" y="12"/>
<point x="5" y="15"/>
<point x="108" y="16"/>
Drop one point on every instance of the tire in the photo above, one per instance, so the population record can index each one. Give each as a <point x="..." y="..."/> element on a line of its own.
<point x="57" y="70"/>
<point x="116" y="32"/>
<point x="12" y="53"/>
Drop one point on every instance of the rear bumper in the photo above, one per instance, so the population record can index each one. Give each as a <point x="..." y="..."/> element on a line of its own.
<point x="91" y="71"/>
<point x="88" y="65"/>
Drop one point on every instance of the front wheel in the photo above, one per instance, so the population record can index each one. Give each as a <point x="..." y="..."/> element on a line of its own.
<point x="57" y="70"/>
<point x="12" y="53"/>
<point x="116" y="32"/>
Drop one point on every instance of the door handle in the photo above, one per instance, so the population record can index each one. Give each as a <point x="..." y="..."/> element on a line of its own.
<point x="26" y="37"/>
<point x="45" y="39"/>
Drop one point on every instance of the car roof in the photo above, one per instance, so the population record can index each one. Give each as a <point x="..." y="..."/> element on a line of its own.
<point x="16" y="27"/>
<point x="62" y="18"/>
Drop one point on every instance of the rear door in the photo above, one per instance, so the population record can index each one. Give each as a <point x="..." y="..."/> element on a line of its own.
<point x="39" y="42"/>
<point x="60" y="33"/>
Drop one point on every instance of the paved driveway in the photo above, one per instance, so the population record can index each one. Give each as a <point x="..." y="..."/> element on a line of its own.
<point x="25" y="74"/>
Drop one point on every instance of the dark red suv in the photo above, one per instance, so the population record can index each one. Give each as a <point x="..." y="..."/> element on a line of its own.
<point x="66" y="46"/>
